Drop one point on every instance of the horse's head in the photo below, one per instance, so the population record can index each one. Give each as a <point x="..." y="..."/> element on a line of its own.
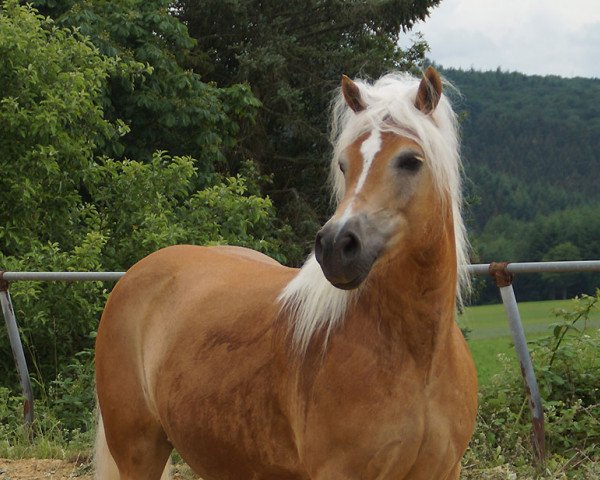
<point x="385" y="179"/>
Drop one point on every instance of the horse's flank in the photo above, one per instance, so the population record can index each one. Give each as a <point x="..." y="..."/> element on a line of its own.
<point x="200" y="376"/>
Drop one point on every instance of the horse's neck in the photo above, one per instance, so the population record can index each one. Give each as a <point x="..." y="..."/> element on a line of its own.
<point x="412" y="302"/>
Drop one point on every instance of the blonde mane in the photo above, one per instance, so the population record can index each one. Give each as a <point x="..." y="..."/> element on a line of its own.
<point x="311" y="301"/>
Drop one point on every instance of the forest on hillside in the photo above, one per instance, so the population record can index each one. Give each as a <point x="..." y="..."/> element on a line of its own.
<point x="531" y="147"/>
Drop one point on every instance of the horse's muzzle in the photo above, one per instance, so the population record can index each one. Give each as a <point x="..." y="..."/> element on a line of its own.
<point x="347" y="252"/>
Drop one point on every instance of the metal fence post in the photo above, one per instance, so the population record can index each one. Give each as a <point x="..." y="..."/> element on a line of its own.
<point x="503" y="280"/>
<point x="18" y="354"/>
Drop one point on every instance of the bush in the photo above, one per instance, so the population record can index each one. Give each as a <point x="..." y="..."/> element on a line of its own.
<point x="567" y="365"/>
<point x="64" y="415"/>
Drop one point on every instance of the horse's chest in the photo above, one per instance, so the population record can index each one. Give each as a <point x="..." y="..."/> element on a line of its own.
<point x="383" y="425"/>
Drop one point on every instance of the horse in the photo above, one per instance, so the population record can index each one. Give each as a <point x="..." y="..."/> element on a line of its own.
<point x="351" y="367"/>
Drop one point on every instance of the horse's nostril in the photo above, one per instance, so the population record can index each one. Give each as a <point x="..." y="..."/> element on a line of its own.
<point x="350" y="245"/>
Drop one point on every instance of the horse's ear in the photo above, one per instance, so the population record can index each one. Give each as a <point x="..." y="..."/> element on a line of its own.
<point x="352" y="95"/>
<point x="430" y="91"/>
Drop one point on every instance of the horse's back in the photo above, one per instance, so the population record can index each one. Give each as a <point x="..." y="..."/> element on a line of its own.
<point x="179" y="273"/>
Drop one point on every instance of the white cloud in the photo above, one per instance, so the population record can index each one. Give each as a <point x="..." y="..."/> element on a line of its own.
<point x="530" y="36"/>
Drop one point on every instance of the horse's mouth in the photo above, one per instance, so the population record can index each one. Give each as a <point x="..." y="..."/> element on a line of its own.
<point x="351" y="285"/>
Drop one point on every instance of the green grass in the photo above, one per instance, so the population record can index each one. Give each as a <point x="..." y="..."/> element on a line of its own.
<point x="490" y="335"/>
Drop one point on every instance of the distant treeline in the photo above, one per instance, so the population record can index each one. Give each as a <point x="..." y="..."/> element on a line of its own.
<point x="531" y="147"/>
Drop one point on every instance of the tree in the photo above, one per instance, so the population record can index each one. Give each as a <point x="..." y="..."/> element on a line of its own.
<point x="529" y="142"/>
<point x="51" y="85"/>
<point x="166" y="106"/>
<point x="292" y="55"/>
<point x="63" y="207"/>
<point x="530" y="145"/>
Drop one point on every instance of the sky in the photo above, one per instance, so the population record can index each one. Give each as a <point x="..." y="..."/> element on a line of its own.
<point x="541" y="37"/>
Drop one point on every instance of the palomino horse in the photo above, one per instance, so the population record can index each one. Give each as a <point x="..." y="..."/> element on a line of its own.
<point x="349" y="368"/>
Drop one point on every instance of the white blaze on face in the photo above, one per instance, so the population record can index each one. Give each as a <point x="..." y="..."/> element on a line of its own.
<point x="369" y="149"/>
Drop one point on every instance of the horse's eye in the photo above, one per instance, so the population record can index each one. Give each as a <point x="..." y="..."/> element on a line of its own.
<point x="342" y="166"/>
<point x="410" y="163"/>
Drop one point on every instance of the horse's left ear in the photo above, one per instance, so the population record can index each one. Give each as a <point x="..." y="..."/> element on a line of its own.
<point x="352" y="95"/>
<point x="430" y="91"/>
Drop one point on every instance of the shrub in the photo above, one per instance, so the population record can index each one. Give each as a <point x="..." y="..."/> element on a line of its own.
<point x="567" y="365"/>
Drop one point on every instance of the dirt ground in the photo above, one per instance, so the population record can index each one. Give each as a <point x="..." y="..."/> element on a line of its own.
<point x="80" y="469"/>
<point x="36" y="469"/>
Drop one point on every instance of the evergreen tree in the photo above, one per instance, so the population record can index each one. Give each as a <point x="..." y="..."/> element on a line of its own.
<point x="292" y="55"/>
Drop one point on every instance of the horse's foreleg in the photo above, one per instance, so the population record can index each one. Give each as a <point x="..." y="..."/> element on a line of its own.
<point x="455" y="472"/>
<point x="104" y="463"/>
<point x="138" y="457"/>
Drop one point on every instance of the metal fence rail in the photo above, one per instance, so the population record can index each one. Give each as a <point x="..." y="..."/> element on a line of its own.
<point x="62" y="276"/>
<point x="539" y="267"/>
<point x="479" y="269"/>
<point x="502" y="273"/>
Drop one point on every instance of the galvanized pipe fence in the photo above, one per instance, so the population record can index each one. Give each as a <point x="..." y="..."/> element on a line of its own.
<point x="502" y="273"/>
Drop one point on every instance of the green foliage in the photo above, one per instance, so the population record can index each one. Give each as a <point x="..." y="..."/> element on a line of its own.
<point x="56" y="319"/>
<point x="51" y="82"/>
<point x="72" y="395"/>
<point x="292" y="55"/>
<point x="570" y="358"/>
<point x="232" y="212"/>
<point x="570" y="234"/>
<point x="165" y="105"/>
<point x="566" y="281"/>
<point x="567" y="365"/>
<point x="133" y="205"/>
<point x="530" y="141"/>
<point x="141" y="207"/>
<point x="64" y="416"/>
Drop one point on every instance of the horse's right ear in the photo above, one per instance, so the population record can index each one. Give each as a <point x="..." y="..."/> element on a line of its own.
<point x="352" y="95"/>
<point x="430" y="91"/>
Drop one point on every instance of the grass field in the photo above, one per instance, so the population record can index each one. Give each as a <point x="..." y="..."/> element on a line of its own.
<point x="490" y="334"/>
